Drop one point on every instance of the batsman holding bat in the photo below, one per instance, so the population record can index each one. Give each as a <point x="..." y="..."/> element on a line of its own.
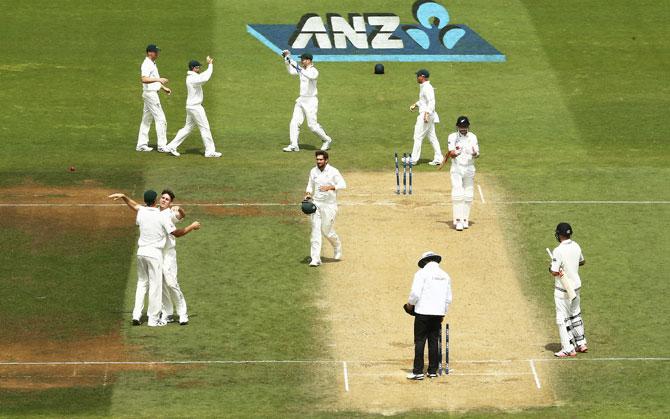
<point x="307" y="105"/>
<point x="566" y="259"/>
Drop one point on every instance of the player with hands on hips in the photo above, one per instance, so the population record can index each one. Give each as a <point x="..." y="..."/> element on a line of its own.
<point x="426" y="120"/>
<point x="307" y="105"/>
<point x="463" y="149"/>
<point x="566" y="259"/>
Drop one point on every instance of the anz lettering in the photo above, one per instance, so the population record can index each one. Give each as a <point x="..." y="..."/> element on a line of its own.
<point x="354" y="30"/>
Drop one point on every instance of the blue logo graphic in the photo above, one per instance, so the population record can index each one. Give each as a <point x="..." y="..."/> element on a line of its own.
<point x="380" y="37"/>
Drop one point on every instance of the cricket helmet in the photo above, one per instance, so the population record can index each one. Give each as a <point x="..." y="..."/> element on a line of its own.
<point x="462" y="121"/>
<point x="308" y="207"/>
<point x="563" y="229"/>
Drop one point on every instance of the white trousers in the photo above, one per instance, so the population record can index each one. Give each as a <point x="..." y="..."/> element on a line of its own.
<point x="306" y="108"/>
<point x="195" y="116"/>
<point x="421" y="131"/>
<point x="149" y="277"/>
<point x="322" y="226"/>
<point x="462" y="190"/>
<point x="172" y="295"/>
<point x="153" y="111"/>
<point x="569" y="321"/>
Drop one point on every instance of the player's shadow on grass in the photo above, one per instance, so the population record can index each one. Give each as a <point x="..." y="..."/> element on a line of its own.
<point x="308" y="147"/>
<point x="451" y="225"/>
<point x="193" y="151"/>
<point x="553" y="347"/>
<point x="308" y="259"/>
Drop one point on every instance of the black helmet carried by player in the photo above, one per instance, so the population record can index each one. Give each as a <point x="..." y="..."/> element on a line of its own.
<point x="563" y="229"/>
<point x="307" y="206"/>
<point x="463" y="121"/>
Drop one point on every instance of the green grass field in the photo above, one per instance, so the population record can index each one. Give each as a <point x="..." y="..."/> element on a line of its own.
<point x="577" y="113"/>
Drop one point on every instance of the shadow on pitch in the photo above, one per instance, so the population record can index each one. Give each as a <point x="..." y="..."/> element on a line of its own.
<point x="553" y="347"/>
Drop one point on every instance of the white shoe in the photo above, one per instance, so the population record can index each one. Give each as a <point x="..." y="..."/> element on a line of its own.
<point x="183" y="320"/>
<point x="326" y="145"/>
<point x="435" y="162"/>
<point x="415" y="377"/>
<point x="159" y="323"/>
<point x="315" y="263"/>
<point x="144" y="148"/>
<point x="338" y="253"/>
<point x="163" y="150"/>
<point x="174" y="152"/>
<point x="459" y="226"/>
<point x="213" y="154"/>
<point x="466" y="224"/>
<point x="290" y="148"/>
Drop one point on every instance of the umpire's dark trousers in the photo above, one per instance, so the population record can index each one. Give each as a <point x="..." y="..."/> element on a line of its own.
<point x="426" y="327"/>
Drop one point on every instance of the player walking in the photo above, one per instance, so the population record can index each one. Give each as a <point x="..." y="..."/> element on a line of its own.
<point x="322" y="186"/>
<point x="425" y="122"/>
<point x="307" y="105"/>
<point x="463" y="150"/>
<point x="195" y="113"/>
<point x="155" y="228"/>
<point x="152" y="83"/>
<point x="566" y="259"/>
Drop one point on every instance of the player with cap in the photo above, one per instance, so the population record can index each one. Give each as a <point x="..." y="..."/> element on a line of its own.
<point x="152" y="83"/>
<point x="195" y="113"/>
<point x="566" y="259"/>
<point x="425" y="122"/>
<point x="428" y="301"/>
<point x="307" y="105"/>
<point x="155" y="228"/>
<point x="322" y="186"/>
<point x="463" y="149"/>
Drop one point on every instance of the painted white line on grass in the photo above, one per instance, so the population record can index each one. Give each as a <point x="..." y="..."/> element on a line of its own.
<point x="346" y="376"/>
<point x="535" y="376"/>
<point x="451" y="374"/>
<point x="325" y="361"/>
<point x="481" y="194"/>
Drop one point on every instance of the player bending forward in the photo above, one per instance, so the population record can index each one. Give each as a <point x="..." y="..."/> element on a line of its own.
<point x="463" y="150"/>
<point x="566" y="259"/>
<point x="195" y="113"/>
<point x="307" y="105"/>
<point x="322" y="186"/>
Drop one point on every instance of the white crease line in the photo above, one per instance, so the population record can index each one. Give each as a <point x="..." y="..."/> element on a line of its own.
<point x="325" y="361"/>
<point x="535" y="376"/>
<point x="463" y="374"/>
<point x="481" y="194"/>
<point x="346" y="376"/>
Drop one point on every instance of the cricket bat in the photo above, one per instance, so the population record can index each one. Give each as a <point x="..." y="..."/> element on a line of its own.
<point x="567" y="285"/>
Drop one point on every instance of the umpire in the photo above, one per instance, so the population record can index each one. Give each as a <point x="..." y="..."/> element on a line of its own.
<point x="428" y="303"/>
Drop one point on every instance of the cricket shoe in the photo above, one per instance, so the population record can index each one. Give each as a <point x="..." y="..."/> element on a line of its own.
<point x="582" y="349"/>
<point x="168" y="319"/>
<point x="290" y="148"/>
<point x="137" y="322"/>
<point x="326" y="145"/>
<point x="183" y="320"/>
<point x="174" y="152"/>
<point x="408" y="160"/>
<point x="563" y="354"/>
<point x="459" y="226"/>
<point x="432" y="375"/>
<point x="435" y="162"/>
<point x="144" y="148"/>
<point x="466" y="224"/>
<point x="415" y="377"/>
<point x="159" y="323"/>
<point x="315" y="263"/>
<point x="213" y="154"/>
<point x="163" y="150"/>
<point x="338" y="253"/>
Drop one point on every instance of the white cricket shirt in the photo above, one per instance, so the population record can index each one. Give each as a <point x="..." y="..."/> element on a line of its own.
<point x="431" y="290"/>
<point x="566" y="258"/>
<point x="154" y="230"/>
<point x="466" y="146"/>
<point x="426" y="101"/>
<point x="171" y="241"/>
<point x="330" y="176"/>
<point x="307" y="76"/>
<point x="194" y="82"/>
<point x="149" y="69"/>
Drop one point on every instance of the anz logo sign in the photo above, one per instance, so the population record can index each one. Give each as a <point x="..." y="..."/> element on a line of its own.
<point x="379" y="37"/>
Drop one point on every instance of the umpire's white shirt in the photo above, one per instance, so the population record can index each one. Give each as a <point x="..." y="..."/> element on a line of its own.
<point x="149" y="69"/>
<point x="426" y="101"/>
<point x="566" y="258"/>
<point x="431" y="291"/>
<point x="465" y="146"/>
<point x="307" y="76"/>
<point x="194" y="82"/>
<point x="330" y="176"/>
<point x="154" y="231"/>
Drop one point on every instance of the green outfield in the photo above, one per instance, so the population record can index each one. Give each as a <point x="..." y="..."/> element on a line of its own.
<point x="572" y="127"/>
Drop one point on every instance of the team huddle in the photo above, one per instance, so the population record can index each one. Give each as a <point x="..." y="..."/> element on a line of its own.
<point x="431" y="291"/>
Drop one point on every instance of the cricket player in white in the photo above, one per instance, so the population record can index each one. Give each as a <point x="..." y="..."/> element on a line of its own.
<point x="566" y="259"/>
<point x="155" y="228"/>
<point x="307" y="105"/>
<point x="322" y="186"/>
<point x="426" y="120"/>
<point x="195" y="113"/>
<point x="152" y="83"/>
<point x="172" y="294"/>
<point x="463" y="149"/>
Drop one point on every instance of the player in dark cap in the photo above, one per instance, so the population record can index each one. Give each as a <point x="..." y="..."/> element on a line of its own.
<point x="425" y="122"/>
<point x="152" y="83"/>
